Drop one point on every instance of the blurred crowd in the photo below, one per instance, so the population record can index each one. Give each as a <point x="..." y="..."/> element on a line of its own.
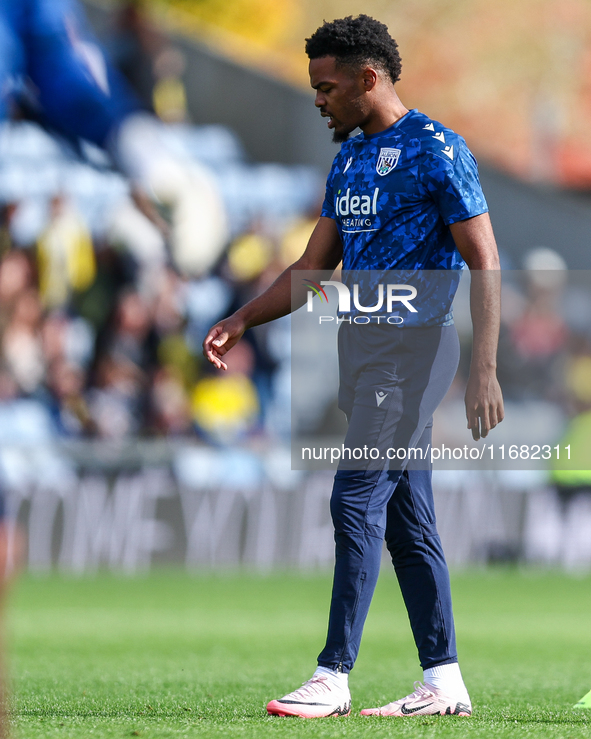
<point x="100" y="324"/>
<point x="100" y="335"/>
<point x="545" y="354"/>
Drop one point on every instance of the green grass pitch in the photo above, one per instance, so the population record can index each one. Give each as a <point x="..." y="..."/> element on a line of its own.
<point x="173" y="655"/>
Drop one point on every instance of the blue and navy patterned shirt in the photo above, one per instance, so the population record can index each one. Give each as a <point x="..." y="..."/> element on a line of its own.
<point x="395" y="193"/>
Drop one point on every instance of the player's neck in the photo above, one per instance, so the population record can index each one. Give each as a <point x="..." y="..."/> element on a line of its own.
<point x="384" y="115"/>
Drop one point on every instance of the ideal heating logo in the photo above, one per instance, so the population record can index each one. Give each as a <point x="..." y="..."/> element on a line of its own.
<point x="389" y="297"/>
<point x="357" y="205"/>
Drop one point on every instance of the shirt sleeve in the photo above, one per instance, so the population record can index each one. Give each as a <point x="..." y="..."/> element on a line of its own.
<point x="328" y="205"/>
<point x="453" y="182"/>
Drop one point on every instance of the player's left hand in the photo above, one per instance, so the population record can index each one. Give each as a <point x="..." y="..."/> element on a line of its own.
<point x="484" y="403"/>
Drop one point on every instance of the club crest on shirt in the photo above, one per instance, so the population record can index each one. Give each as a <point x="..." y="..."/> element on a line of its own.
<point x="387" y="160"/>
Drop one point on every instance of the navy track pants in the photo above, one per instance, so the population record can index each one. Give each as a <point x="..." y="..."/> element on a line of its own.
<point x="391" y="382"/>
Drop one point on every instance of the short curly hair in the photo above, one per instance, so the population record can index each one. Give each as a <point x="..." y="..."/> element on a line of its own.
<point x="355" y="42"/>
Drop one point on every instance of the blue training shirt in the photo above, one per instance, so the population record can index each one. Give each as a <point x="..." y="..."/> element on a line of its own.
<point x="393" y="196"/>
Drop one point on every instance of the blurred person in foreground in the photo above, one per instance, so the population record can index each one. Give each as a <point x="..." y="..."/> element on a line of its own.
<point x="430" y="214"/>
<point x="51" y="66"/>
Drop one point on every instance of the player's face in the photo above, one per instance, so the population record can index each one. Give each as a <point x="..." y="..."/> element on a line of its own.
<point x="340" y="95"/>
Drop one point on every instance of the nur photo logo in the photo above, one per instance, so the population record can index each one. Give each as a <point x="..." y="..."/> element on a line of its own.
<point x="389" y="297"/>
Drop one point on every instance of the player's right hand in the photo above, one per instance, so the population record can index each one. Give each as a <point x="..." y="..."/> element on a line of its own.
<point x="221" y="338"/>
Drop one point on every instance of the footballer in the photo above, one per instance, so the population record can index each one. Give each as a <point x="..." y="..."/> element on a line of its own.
<point x="425" y="211"/>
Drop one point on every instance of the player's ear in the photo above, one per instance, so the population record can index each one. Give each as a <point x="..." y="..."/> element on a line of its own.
<point x="369" y="78"/>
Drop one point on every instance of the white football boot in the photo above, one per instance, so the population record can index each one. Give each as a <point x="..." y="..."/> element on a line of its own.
<point x="425" y="701"/>
<point x="319" y="697"/>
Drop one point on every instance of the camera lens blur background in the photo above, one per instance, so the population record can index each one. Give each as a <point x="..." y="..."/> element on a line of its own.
<point x="123" y="451"/>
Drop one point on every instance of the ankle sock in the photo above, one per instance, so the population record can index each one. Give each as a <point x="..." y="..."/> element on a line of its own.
<point x="339" y="679"/>
<point x="448" y="679"/>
